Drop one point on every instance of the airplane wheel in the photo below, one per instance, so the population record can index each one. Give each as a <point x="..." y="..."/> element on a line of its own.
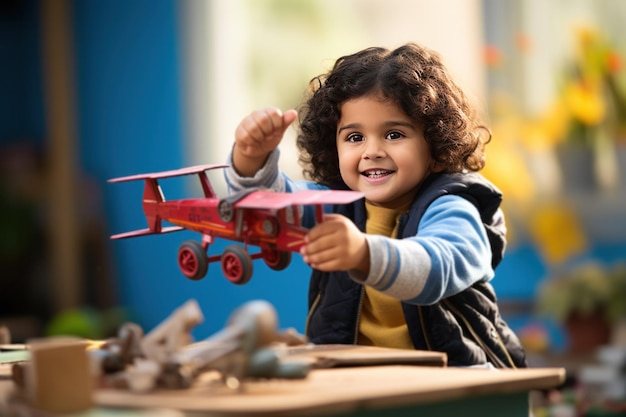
<point x="237" y="264"/>
<point x="192" y="260"/>
<point x="275" y="259"/>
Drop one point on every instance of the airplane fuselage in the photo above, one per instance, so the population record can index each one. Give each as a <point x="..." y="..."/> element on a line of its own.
<point x="279" y="229"/>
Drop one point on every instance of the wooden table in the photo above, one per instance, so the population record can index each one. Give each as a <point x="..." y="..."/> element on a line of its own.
<point x="394" y="390"/>
<point x="400" y="390"/>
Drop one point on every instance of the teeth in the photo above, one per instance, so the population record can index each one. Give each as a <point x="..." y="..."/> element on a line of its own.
<point x="376" y="173"/>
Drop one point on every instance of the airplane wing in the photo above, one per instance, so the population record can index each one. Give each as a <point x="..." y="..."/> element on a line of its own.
<point x="173" y="173"/>
<point x="276" y="200"/>
<point x="310" y="197"/>
<point x="145" y="232"/>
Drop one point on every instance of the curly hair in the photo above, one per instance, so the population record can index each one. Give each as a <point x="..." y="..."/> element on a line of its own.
<point x="411" y="76"/>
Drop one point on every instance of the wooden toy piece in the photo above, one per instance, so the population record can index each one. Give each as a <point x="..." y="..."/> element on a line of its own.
<point x="143" y="375"/>
<point x="243" y="349"/>
<point x="118" y="352"/>
<point x="257" y="217"/>
<point x="160" y="344"/>
<point x="58" y="378"/>
<point x="167" y="358"/>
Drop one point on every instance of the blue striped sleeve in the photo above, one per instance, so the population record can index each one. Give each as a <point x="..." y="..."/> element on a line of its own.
<point x="449" y="253"/>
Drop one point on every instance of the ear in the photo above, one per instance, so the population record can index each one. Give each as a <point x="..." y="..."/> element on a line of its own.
<point x="435" y="166"/>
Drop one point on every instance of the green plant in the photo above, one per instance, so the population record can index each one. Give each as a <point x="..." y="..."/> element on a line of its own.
<point x="584" y="290"/>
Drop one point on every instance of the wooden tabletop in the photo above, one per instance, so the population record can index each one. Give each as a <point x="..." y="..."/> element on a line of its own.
<point x="364" y="380"/>
<point x="339" y="390"/>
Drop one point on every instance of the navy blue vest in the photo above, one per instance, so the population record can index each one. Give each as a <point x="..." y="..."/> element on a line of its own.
<point x="467" y="326"/>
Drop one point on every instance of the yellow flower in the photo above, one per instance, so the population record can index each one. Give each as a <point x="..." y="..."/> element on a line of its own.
<point x="585" y="103"/>
<point x="535" y="136"/>
<point x="555" y="122"/>
<point x="592" y="51"/>
<point x="557" y="232"/>
<point x="506" y="165"/>
<point x="548" y="129"/>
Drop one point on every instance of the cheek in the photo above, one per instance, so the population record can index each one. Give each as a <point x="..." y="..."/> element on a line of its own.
<point x="348" y="167"/>
<point x="422" y="157"/>
<point x="415" y="165"/>
<point x="411" y="157"/>
<point x="345" y="166"/>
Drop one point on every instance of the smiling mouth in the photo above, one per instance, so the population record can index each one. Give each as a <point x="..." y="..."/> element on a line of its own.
<point x="376" y="173"/>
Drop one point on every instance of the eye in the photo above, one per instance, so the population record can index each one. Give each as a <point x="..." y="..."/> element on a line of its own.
<point x="394" y="135"/>
<point x="355" y="137"/>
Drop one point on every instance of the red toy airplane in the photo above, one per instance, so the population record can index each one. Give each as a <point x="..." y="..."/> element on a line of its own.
<point x="256" y="217"/>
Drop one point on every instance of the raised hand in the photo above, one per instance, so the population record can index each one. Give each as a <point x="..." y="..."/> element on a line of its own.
<point x="336" y="244"/>
<point x="257" y="135"/>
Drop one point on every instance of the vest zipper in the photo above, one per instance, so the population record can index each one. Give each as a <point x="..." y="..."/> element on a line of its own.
<point x="422" y="325"/>
<point x="310" y="313"/>
<point x="358" y="316"/>
<point x="505" y="350"/>
<point x="482" y="344"/>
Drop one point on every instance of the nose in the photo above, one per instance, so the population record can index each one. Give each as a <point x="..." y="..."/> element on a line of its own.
<point x="373" y="150"/>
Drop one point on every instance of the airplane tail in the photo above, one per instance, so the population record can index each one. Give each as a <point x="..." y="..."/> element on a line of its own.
<point x="152" y="196"/>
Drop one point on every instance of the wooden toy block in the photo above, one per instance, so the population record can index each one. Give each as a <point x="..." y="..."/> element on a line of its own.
<point x="58" y="378"/>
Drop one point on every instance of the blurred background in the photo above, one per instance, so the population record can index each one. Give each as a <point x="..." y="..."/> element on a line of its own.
<point x="93" y="90"/>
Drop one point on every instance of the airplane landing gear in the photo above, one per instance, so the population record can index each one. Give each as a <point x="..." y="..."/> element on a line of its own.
<point x="192" y="260"/>
<point x="275" y="259"/>
<point x="236" y="264"/>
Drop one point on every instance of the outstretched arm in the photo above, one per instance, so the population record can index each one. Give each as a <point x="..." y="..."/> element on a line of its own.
<point x="450" y="253"/>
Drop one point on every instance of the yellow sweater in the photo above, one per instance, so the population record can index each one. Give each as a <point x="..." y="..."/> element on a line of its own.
<point x="382" y="321"/>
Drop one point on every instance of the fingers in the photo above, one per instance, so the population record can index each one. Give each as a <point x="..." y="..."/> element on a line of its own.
<point x="336" y="244"/>
<point x="257" y="135"/>
<point x="289" y="117"/>
<point x="264" y="126"/>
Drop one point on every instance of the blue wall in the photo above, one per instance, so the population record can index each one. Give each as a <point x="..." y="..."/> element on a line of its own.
<point x="130" y="109"/>
<point x="129" y="122"/>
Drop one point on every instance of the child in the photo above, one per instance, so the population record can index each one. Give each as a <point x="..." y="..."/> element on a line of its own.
<point x="409" y="266"/>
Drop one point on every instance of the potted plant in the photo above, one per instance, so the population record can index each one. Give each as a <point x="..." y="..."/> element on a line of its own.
<point x="586" y="118"/>
<point x="587" y="300"/>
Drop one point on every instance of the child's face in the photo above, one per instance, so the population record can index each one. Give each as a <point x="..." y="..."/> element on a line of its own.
<point x="382" y="152"/>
